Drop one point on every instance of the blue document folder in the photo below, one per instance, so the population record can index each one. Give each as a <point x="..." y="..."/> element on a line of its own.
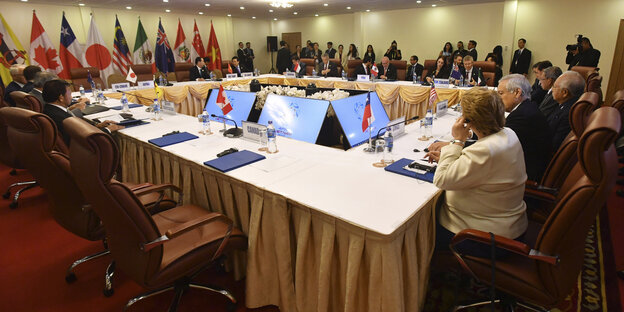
<point x="129" y="105"/>
<point x="397" y="167"/>
<point x="127" y="123"/>
<point x="172" y="139"/>
<point x="234" y="160"/>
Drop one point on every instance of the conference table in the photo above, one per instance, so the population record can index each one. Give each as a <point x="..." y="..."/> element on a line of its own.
<point x="327" y="230"/>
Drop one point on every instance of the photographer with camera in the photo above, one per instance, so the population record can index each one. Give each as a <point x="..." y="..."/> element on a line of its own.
<point x="582" y="53"/>
<point x="393" y="53"/>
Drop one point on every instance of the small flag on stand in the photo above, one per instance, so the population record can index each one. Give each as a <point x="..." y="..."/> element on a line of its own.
<point x="368" y="118"/>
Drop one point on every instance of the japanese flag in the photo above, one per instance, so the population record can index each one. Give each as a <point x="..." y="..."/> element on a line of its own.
<point x="132" y="77"/>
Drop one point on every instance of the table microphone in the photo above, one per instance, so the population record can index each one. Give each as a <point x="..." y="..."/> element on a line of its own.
<point x="392" y="125"/>
<point x="232" y="132"/>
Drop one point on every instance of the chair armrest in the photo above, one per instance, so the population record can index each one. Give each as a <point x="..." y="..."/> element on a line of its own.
<point x="503" y="243"/>
<point x="532" y="185"/>
<point x="157" y="188"/>
<point x="137" y="187"/>
<point x="540" y="195"/>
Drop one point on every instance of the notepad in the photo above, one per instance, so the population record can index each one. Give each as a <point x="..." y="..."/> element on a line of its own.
<point x="397" y="167"/>
<point x="129" y="106"/>
<point x="172" y="139"/>
<point x="94" y="109"/>
<point x="234" y="160"/>
<point x="128" y="123"/>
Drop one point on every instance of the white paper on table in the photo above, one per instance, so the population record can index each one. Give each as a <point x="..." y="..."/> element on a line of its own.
<point x="274" y="163"/>
<point x="114" y="118"/>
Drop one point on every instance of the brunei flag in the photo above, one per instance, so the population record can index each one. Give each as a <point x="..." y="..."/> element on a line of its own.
<point x="11" y="51"/>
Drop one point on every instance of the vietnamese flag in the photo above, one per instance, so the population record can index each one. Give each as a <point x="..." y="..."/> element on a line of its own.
<point x="213" y="50"/>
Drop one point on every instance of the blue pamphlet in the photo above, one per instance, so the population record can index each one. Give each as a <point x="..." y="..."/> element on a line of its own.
<point x="234" y="160"/>
<point x="172" y="139"/>
<point x="397" y="167"/>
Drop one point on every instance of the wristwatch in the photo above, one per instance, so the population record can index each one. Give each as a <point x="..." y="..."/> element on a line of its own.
<point x="457" y="141"/>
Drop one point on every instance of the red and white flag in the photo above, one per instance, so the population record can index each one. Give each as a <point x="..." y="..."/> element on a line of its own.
<point x="97" y="54"/>
<point x="374" y="70"/>
<point x="42" y="51"/>
<point x="198" y="45"/>
<point x="368" y="118"/>
<point x="180" y="51"/>
<point x="297" y="67"/>
<point x="132" y="77"/>
<point x="230" y="69"/>
<point x="433" y="95"/>
<point x="70" y="51"/>
<point x="223" y="102"/>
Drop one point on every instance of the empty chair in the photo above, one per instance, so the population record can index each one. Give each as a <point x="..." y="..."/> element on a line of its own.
<point x="79" y="77"/>
<point x="115" y="78"/>
<point x="144" y="72"/>
<point x="542" y="274"/>
<point x="182" y="71"/>
<point x="351" y="65"/>
<point x="161" y="251"/>
<point x="27" y="101"/>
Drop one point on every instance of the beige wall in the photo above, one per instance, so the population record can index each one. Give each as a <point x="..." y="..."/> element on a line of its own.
<point x="229" y="30"/>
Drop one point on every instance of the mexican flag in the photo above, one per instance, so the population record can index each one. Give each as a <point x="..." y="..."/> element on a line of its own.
<point x="143" y="53"/>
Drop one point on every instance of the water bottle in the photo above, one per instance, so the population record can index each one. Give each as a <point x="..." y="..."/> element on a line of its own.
<point x="161" y="81"/>
<point x="257" y="72"/>
<point x="461" y="81"/>
<point x="415" y="76"/>
<point x="212" y="76"/>
<point x="344" y="75"/>
<point x="156" y="109"/>
<point x="82" y="91"/>
<point x="313" y="72"/>
<point x="124" y="103"/>
<point x="388" y="144"/>
<point x="429" y="124"/>
<point x="271" y="138"/>
<point x="100" y="97"/>
<point x="206" y="123"/>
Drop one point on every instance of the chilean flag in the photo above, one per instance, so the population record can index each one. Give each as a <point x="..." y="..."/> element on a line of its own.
<point x="374" y="70"/>
<point x="70" y="52"/>
<point x="368" y="117"/>
<point x="223" y="102"/>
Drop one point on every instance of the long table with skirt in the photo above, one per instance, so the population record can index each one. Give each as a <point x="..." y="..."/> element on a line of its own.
<point x="400" y="98"/>
<point x="327" y="230"/>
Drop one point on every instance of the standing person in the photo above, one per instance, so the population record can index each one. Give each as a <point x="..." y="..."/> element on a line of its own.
<point x="242" y="54"/>
<point x="460" y="49"/>
<point x="370" y="54"/>
<point x="498" y="53"/>
<point x="472" y="51"/>
<point x="393" y="52"/>
<point x="447" y="50"/>
<point x="250" y="57"/>
<point x="316" y="53"/>
<point x="298" y="52"/>
<point x="283" y="57"/>
<point x="414" y="66"/>
<point x="353" y="53"/>
<point x="330" y="50"/>
<point x="521" y="59"/>
<point x="306" y="50"/>
<point x="342" y="56"/>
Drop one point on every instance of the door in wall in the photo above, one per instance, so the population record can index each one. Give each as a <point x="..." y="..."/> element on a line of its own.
<point x="293" y="39"/>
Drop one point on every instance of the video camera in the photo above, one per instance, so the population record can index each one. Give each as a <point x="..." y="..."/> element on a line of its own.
<point x="577" y="45"/>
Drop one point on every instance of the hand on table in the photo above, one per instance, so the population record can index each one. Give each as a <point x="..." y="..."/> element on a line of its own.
<point x="437" y="146"/>
<point x="80" y="105"/>
<point x="433" y="156"/>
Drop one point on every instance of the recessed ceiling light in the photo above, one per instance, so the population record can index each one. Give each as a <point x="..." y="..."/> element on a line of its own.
<point x="271" y="10"/>
<point x="433" y="5"/>
<point x="81" y="4"/>
<point x="348" y="8"/>
<point x="275" y="19"/>
<point x="129" y="8"/>
<point x="367" y="10"/>
<point x="325" y="4"/>
<point x="201" y="13"/>
<point x="295" y="13"/>
<point x="24" y="0"/>
<point x="315" y="14"/>
<point x="418" y="1"/>
<point x="165" y="0"/>
<point x="242" y="8"/>
<point x="207" y="4"/>
<point x="167" y="10"/>
<point x="229" y="15"/>
<point x="253" y="17"/>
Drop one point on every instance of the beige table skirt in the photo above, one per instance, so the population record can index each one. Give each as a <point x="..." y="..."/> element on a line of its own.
<point x="300" y="259"/>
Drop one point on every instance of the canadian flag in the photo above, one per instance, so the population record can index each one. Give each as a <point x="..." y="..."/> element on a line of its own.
<point x="97" y="54"/>
<point x="42" y="52"/>
<point x="132" y="77"/>
<point x="223" y="102"/>
<point x="374" y="70"/>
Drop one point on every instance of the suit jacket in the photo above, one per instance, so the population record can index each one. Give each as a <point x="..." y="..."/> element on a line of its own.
<point x="391" y="74"/>
<point x="195" y="73"/>
<point x="520" y="62"/>
<point x="58" y="115"/>
<point x="462" y="52"/>
<point x="242" y="55"/>
<point x="473" y="53"/>
<point x="548" y="105"/>
<point x="484" y="185"/>
<point x="332" y="67"/>
<point x="250" y="59"/>
<point x="559" y="123"/>
<point x="535" y="136"/>
<point x="238" y="70"/>
<point x="28" y="87"/>
<point x="475" y="74"/>
<point x="409" y="76"/>
<point x="360" y="70"/>
<point x="36" y="93"/>
<point x="283" y="60"/>
<point x="13" y="86"/>
<point x="537" y="93"/>
<point x="394" y="55"/>
<point x="331" y="52"/>
<point x="589" y="58"/>
<point x="302" y="70"/>
<point x="444" y="73"/>
<point x="369" y="57"/>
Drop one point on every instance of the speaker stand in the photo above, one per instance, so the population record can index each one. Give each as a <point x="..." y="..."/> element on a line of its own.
<point x="272" y="71"/>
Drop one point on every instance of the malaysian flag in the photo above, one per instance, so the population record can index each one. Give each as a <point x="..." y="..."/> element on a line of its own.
<point x="433" y="95"/>
<point x="368" y="118"/>
<point x="121" y="53"/>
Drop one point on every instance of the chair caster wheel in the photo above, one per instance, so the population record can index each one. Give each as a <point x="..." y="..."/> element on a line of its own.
<point x="230" y="307"/>
<point x="70" y="278"/>
<point x="108" y="292"/>
<point x="6" y="195"/>
<point x="13" y="205"/>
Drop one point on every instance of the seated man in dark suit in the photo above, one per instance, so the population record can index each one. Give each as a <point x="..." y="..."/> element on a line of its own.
<point x="472" y="76"/>
<point x="363" y="69"/>
<point x="327" y="68"/>
<point x="566" y="91"/>
<point x="298" y="67"/>
<point x="236" y="67"/>
<point x="17" y="73"/>
<point x="57" y="95"/>
<point x="537" y="92"/>
<point x="198" y="72"/>
<point x="414" y="66"/>
<point x="550" y="75"/>
<point x="387" y="71"/>
<point x="29" y="74"/>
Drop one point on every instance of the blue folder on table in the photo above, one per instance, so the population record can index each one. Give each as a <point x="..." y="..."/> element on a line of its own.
<point x="234" y="160"/>
<point x="128" y="123"/>
<point x="397" y="167"/>
<point x="129" y="106"/>
<point x="172" y="139"/>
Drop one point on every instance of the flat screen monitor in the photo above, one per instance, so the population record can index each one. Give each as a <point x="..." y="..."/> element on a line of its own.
<point x="350" y="112"/>
<point x="241" y="102"/>
<point x="296" y="118"/>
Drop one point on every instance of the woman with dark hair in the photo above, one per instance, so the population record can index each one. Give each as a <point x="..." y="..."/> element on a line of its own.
<point x="447" y="50"/>
<point x="498" y="53"/>
<point x="498" y="73"/>
<point x="440" y="71"/>
<point x="342" y="56"/>
<point x="370" y="54"/>
<point x="353" y="52"/>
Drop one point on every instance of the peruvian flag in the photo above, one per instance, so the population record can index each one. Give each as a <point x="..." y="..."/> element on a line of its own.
<point x="70" y="52"/>
<point x="368" y="117"/>
<point x="42" y="52"/>
<point x="198" y="45"/>
<point x="223" y="102"/>
<point x="374" y="70"/>
<point x="132" y="77"/>
<point x="180" y="51"/>
<point x="97" y="54"/>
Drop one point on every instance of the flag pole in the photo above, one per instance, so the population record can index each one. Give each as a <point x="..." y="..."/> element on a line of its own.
<point x="370" y="148"/>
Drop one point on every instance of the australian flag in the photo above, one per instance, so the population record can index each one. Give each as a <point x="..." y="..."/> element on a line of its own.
<point x="164" y="55"/>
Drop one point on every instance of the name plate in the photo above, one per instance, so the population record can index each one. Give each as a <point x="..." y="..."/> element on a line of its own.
<point x="146" y="84"/>
<point x="247" y="75"/>
<point x="441" y="82"/>
<point x="123" y="86"/>
<point x="363" y="78"/>
<point x="397" y="126"/>
<point x="290" y="75"/>
<point x="441" y="108"/>
<point x="251" y="130"/>
<point x="231" y="76"/>
<point x="168" y="107"/>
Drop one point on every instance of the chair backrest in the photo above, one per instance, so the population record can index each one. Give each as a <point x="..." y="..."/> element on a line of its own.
<point x="26" y="101"/>
<point x="143" y="71"/>
<point x="310" y="65"/>
<point x="182" y="71"/>
<point x="428" y="65"/>
<point x="564" y="158"/>
<point x="351" y="66"/>
<point x="618" y="102"/>
<point x="401" y="67"/>
<point x="224" y="67"/>
<point x="594" y="84"/>
<point x="128" y="224"/>
<point x="33" y="137"/>
<point x="584" y="194"/>
<point x="338" y="64"/>
<point x="7" y="156"/>
<point x="585" y="71"/>
<point x="2" y="90"/>
<point x="486" y="67"/>
<point x="116" y="78"/>
<point x="489" y="78"/>
<point x="79" y="77"/>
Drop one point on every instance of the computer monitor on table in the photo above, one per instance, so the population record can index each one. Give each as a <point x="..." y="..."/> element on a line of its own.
<point x="350" y="112"/>
<point x="241" y="102"/>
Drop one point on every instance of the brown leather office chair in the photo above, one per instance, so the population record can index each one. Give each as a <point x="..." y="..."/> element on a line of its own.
<point x="79" y="77"/>
<point x="594" y="83"/>
<point x="116" y="78"/>
<point x="26" y="101"/>
<point x="351" y="66"/>
<point x="182" y="71"/>
<point x="489" y="78"/>
<point x="585" y="71"/>
<point x="542" y="274"/>
<point x="162" y="251"/>
<point x="618" y="101"/>
<point x="10" y="159"/>
<point x="144" y="72"/>
<point x="401" y="67"/>
<point x="486" y="67"/>
<point x="428" y="65"/>
<point x="2" y="90"/>
<point x="224" y="67"/>
<point x="34" y="137"/>
<point x="310" y="64"/>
